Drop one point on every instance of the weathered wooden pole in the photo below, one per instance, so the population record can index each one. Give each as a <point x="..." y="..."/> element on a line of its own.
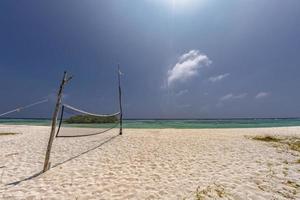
<point x="54" y="119"/>
<point x="120" y="100"/>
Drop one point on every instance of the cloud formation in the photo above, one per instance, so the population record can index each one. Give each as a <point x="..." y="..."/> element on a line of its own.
<point x="181" y="92"/>
<point x="218" y="78"/>
<point x="262" y="95"/>
<point x="231" y="96"/>
<point x="188" y="66"/>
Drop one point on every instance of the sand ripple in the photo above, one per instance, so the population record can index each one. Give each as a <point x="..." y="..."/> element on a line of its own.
<point x="150" y="164"/>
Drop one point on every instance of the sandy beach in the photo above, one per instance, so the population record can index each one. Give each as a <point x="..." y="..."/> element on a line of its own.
<point x="150" y="164"/>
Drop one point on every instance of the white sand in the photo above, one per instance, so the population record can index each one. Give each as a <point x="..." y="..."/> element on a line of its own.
<point x="150" y="164"/>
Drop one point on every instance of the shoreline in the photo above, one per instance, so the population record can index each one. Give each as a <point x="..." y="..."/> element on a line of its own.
<point x="149" y="128"/>
<point x="176" y="124"/>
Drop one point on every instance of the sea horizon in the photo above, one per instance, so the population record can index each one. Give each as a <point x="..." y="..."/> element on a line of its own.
<point x="170" y="123"/>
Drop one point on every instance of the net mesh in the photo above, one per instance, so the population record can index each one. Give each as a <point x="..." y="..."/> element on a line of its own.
<point x="76" y="122"/>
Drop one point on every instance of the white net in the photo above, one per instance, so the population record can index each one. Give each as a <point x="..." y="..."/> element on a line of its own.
<point x="76" y="122"/>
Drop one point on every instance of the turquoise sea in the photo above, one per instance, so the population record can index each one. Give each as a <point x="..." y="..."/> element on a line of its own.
<point x="183" y="124"/>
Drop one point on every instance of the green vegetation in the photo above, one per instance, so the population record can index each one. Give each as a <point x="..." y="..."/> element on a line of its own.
<point x="266" y="138"/>
<point x="293" y="184"/>
<point x="209" y="191"/>
<point x="200" y="194"/>
<point x="8" y="133"/>
<point x="292" y="142"/>
<point x="89" y="119"/>
<point x="295" y="145"/>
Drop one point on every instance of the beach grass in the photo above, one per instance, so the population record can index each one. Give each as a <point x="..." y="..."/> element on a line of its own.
<point x="295" y="145"/>
<point x="215" y="190"/>
<point x="293" y="184"/>
<point x="8" y="133"/>
<point x="267" y="138"/>
<point x="292" y="142"/>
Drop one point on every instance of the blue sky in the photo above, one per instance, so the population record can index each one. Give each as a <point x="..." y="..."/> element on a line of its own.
<point x="180" y="58"/>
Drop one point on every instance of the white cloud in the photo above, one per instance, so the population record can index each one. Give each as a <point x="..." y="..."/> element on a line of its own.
<point x="181" y="92"/>
<point x="262" y="95"/>
<point x="226" y="97"/>
<point x="218" y="78"/>
<point x="233" y="97"/>
<point x="187" y="66"/>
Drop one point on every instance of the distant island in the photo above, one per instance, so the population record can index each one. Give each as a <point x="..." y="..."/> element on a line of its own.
<point x="89" y="119"/>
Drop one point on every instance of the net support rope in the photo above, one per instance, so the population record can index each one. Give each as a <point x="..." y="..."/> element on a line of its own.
<point x="24" y="107"/>
<point x="87" y="113"/>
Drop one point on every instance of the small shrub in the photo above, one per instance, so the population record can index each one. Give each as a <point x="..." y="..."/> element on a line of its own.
<point x="292" y="142"/>
<point x="8" y="133"/>
<point x="89" y="119"/>
<point x="267" y="138"/>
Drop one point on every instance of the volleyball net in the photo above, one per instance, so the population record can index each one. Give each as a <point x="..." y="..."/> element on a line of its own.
<point x="75" y="122"/>
<point x="86" y="128"/>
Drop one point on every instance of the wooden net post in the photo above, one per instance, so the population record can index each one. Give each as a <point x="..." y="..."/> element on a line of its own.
<point x="120" y="100"/>
<point x="54" y="119"/>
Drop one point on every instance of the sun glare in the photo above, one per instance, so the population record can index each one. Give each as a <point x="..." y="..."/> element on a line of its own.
<point x="179" y="3"/>
<point x="182" y="4"/>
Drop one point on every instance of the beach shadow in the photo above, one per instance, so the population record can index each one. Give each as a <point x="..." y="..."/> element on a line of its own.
<point x="87" y="151"/>
<point x="25" y="179"/>
<point x="41" y="172"/>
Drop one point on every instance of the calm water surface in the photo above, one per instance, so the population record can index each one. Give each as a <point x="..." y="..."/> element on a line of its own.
<point x="183" y="124"/>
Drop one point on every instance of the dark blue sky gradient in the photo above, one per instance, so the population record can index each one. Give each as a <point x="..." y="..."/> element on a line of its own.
<point x="257" y="42"/>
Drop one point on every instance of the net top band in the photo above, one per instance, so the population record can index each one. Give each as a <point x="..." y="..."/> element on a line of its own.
<point x="88" y="113"/>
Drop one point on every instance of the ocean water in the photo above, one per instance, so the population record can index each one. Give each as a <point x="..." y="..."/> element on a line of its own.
<point x="180" y="124"/>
